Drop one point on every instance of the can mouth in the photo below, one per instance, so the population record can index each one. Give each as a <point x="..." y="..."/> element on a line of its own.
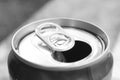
<point x="80" y="51"/>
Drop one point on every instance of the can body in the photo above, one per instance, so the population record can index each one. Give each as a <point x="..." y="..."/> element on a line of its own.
<point x="99" y="69"/>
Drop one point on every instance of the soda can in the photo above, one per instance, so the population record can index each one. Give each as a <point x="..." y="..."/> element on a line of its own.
<point x="60" y="49"/>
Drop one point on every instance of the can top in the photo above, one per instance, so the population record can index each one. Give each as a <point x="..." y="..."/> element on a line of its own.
<point x="97" y="36"/>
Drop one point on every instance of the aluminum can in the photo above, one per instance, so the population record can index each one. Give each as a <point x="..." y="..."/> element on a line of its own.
<point x="88" y="59"/>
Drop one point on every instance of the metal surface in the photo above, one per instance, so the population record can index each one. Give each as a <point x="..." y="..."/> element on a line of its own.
<point x="95" y="68"/>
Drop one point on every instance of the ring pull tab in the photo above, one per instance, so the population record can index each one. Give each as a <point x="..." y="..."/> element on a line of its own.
<point x="54" y="36"/>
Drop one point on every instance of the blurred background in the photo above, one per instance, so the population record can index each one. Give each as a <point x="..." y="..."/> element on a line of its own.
<point x="15" y="13"/>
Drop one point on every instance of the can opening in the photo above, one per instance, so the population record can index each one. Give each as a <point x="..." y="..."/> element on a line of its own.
<point x="80" y="51"/>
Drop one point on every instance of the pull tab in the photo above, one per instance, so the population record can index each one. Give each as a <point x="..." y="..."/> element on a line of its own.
<point x="54" y="36"/>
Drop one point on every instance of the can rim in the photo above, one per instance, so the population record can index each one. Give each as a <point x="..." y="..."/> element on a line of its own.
<point x="90" y="63"/>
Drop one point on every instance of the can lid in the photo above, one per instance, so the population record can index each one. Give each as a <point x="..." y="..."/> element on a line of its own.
<point x="54" y="36"/>
<point x="22" y="43"/>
